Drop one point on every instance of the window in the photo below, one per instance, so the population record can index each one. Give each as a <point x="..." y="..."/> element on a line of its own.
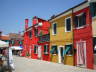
<point x="80" y="20"/>
<point x="68" y="24"/>
<point x="12" y="42"/>
<point x="94" y="45"/>
<point x="45" y="49"/>
<point x="54" y="50"/>
<point x="36" y="32"/>
<point x="54" y="29"/>
<point x="35" y="49"/>
<point x="20" y="42"/>
<point x="30" y="34"/>
<point x="68" y="49"/>
<point x="93" y="8"/>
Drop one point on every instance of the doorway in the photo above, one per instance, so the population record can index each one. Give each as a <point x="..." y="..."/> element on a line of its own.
<point x="39" y="52"/>
<point x="81" y="54"/>
<point x="61" y="54"/>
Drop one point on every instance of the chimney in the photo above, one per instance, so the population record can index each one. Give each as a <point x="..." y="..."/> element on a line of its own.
<point x="26" y="23"/>
<point x="35" y="20"/>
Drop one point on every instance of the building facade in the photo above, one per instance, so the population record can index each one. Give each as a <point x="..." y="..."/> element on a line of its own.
<point x="70" y="41"/>
<point x="61" y="38"/>
<point x="83" y="44"/>
<point x="92" y="4"/>
<point x="36" y="39"/>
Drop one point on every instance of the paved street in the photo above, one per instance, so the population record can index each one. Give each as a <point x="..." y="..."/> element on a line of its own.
<point x="23" y="64"/>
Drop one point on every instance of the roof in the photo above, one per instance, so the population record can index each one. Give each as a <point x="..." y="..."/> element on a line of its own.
<point x="15" y="36"/>
<point x="66" y="11"/>
<point x="5" y="38"/>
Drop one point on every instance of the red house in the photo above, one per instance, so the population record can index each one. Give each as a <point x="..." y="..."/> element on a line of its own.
<point x="36" y="39"/>
<point x="41" y="32"/>
<point x="83" y="45"/>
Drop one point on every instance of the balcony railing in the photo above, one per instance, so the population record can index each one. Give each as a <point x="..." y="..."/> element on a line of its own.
<point x="44" y="38"/>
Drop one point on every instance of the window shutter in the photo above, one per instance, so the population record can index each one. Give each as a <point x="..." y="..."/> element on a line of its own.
<point x="68" y="49"/>
<point x="75" y="21"/>
<point x="54" y="50"/>
<point x="84" y="19"/>
<point x="20" y="42"/>
<point x="93" y="8"/>
<point x="44" y="48"/>
<point x="35" y="49"/>
<point x="13" y="42"/>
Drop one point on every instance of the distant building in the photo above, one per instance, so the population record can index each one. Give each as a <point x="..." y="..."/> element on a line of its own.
<point x="4" y="37"/>
<point x="15" y="39"/>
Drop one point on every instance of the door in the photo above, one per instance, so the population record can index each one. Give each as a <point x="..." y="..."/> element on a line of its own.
<point x="61" y="54"/>
<point x="81" y="54"/>
<point x="39" y="52"/>
<point x="30" y="52"/>
<point x="94" y="50"/>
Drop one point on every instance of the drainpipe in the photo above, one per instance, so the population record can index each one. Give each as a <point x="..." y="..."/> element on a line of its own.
<point x="73" y="37"/>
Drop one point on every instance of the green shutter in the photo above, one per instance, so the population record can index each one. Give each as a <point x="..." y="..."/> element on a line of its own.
<point x="76" y="21"/>
<point x="93" y="9"/>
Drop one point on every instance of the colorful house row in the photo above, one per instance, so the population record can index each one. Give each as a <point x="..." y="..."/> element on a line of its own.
<point x="36" y="39"/>
<point x="68" y="38"/>
<point x="74" y="31"/>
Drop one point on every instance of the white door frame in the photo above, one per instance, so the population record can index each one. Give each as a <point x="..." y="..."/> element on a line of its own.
<point x="39" y="52"/>
<point x="59" y="53"/>
<point x="84" y="52"/>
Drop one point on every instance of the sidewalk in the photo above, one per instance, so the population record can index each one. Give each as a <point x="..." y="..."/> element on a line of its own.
<point x="23" y="64"/>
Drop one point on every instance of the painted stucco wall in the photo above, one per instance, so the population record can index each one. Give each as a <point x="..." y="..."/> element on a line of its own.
<point x="85" y="34"/>
<point x="61" y="38"/>
<point x="94" y="27"/>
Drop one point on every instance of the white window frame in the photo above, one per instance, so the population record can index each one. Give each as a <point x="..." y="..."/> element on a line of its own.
<point x="53" y="28"/>
<point x="66" y="24"/>
<point x="46" y="51"/>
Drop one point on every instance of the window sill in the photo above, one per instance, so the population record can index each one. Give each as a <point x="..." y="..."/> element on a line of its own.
<point x="80" y="27"/>
<point x="67" y="31"/>
<point x="94" y="17"/>
<point x="53" y="34"/>
<point x="54" y="54"/>
<point x="35" y="53"/>
<point x="46" y="53"/>
<point x="69" y="55"/>
<point x="95" y="54"/>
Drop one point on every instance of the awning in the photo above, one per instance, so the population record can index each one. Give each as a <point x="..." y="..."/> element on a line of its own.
<point x="16" y="47"/>
<point x="3" y="44"/>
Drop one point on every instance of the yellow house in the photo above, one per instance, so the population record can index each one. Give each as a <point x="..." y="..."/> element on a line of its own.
<point x="93" y="14"/>
<point x="61" y="38"/>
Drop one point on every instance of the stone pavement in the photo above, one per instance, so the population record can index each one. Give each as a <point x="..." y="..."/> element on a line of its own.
<point x="23" y="64"/>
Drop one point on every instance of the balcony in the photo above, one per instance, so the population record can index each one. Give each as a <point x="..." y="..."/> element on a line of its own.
<point x="44" y="38"/>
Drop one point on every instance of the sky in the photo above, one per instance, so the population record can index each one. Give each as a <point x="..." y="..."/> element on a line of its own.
<point x="14" y="12"/>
